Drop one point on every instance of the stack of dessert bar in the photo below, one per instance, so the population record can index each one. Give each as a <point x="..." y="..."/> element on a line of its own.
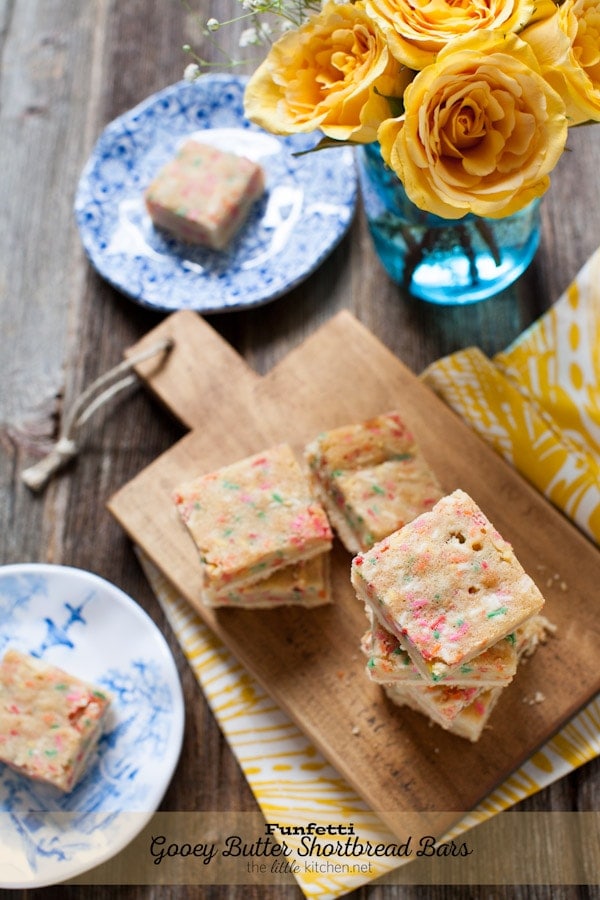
<point x="451" y="613"/>
<point x="372" y="479"/>
<point x="262" y="539"/>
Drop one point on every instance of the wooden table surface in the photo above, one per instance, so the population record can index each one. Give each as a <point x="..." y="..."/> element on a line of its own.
<point x="68" y="68"/>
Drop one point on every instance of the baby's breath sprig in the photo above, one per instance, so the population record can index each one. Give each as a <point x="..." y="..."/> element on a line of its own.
<point x="267" y="19"/>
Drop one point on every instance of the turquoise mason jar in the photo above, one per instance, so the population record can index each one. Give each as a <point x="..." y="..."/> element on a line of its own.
<point x="444" y="261"/>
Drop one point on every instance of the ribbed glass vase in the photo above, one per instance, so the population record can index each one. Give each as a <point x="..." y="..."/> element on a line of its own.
<point x="444" y="261"/>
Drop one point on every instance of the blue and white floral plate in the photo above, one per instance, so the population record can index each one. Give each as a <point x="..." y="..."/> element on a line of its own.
<point x="307" y="207"/>
<point x="83" y="624"/>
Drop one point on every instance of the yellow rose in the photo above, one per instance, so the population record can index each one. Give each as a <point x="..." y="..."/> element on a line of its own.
<point x="332" y="74"/>
<point x="417" y="30"/>
<point x="481" y="132"/>
<point x="567" y="45"/>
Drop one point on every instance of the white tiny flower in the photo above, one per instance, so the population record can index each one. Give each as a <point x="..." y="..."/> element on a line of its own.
<point x="265" y="30"/>
<point x="191" y="72"/>
<point x="213" y="25"/>
<point x="252" y="36"/>
<point x="248" y="37"/>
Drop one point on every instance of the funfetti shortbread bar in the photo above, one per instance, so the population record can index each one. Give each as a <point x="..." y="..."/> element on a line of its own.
<point x="447" y="585"/>
<point x="306" y="584"/>
<point x="204" y="194"/>
<point x="389" y="663"/>
<point x="372" y="479"/>
<point x="442" y="704"/>
<point x="469" y="722"/>
<point x="467" y="719"/>
<point x="251" y="519"/>
<point x="50" y="721"/>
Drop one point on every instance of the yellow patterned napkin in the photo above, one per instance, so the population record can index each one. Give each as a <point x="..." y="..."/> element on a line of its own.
<point x="539" y="394"/>
<point x="538" y="402"/>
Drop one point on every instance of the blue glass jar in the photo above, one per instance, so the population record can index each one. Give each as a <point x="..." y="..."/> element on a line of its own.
<point x="445" y="261"/>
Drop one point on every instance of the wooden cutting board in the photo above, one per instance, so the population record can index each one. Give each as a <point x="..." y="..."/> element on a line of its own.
<point x="309" y="661"/>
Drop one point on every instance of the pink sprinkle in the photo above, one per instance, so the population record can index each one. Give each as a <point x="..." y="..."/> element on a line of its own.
<point x="418" y="604"/>
<point x="462" y="629"/>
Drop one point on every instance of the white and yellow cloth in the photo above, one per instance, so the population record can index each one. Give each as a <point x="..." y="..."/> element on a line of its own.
<point x="538" y="405"/>
<point x="538" y="402"/>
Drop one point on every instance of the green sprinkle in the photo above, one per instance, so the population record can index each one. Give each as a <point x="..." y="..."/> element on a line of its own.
<point x="377" y="489"/>
<point x="371" y="663"/>
<point x="401" y="456"/>
<point x="436" y="634"/>
<point x="466" y="669"/>
<point x="277" y="498"/>
<point x="501" y="611"/>
<point x="50" y="752"/>
<point x="61" y="686"/>
<point x="511" y="638"/>
<point x="231" y="485"/>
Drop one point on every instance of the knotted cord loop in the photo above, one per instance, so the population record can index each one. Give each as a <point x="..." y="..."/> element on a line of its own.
<point x="102" y="390"/>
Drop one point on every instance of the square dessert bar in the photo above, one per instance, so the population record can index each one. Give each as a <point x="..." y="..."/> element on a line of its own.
<point x="372" y="479"/>
<point x="456" y="712"/>
<point x="443" y="704"/>
<point x="469" y="721"/>
<point x="50" y="721"/>
<point x="203" y="195"/>
<point x="389" y="663"/>
<point x="252" y="518"/>
<point x="447" y="585"/>
<point x="305" y="584"/>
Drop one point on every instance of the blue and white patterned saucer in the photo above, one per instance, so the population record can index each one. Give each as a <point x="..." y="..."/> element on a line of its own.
<point x="307" y="207"/>
<point x="77" y="621"/>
